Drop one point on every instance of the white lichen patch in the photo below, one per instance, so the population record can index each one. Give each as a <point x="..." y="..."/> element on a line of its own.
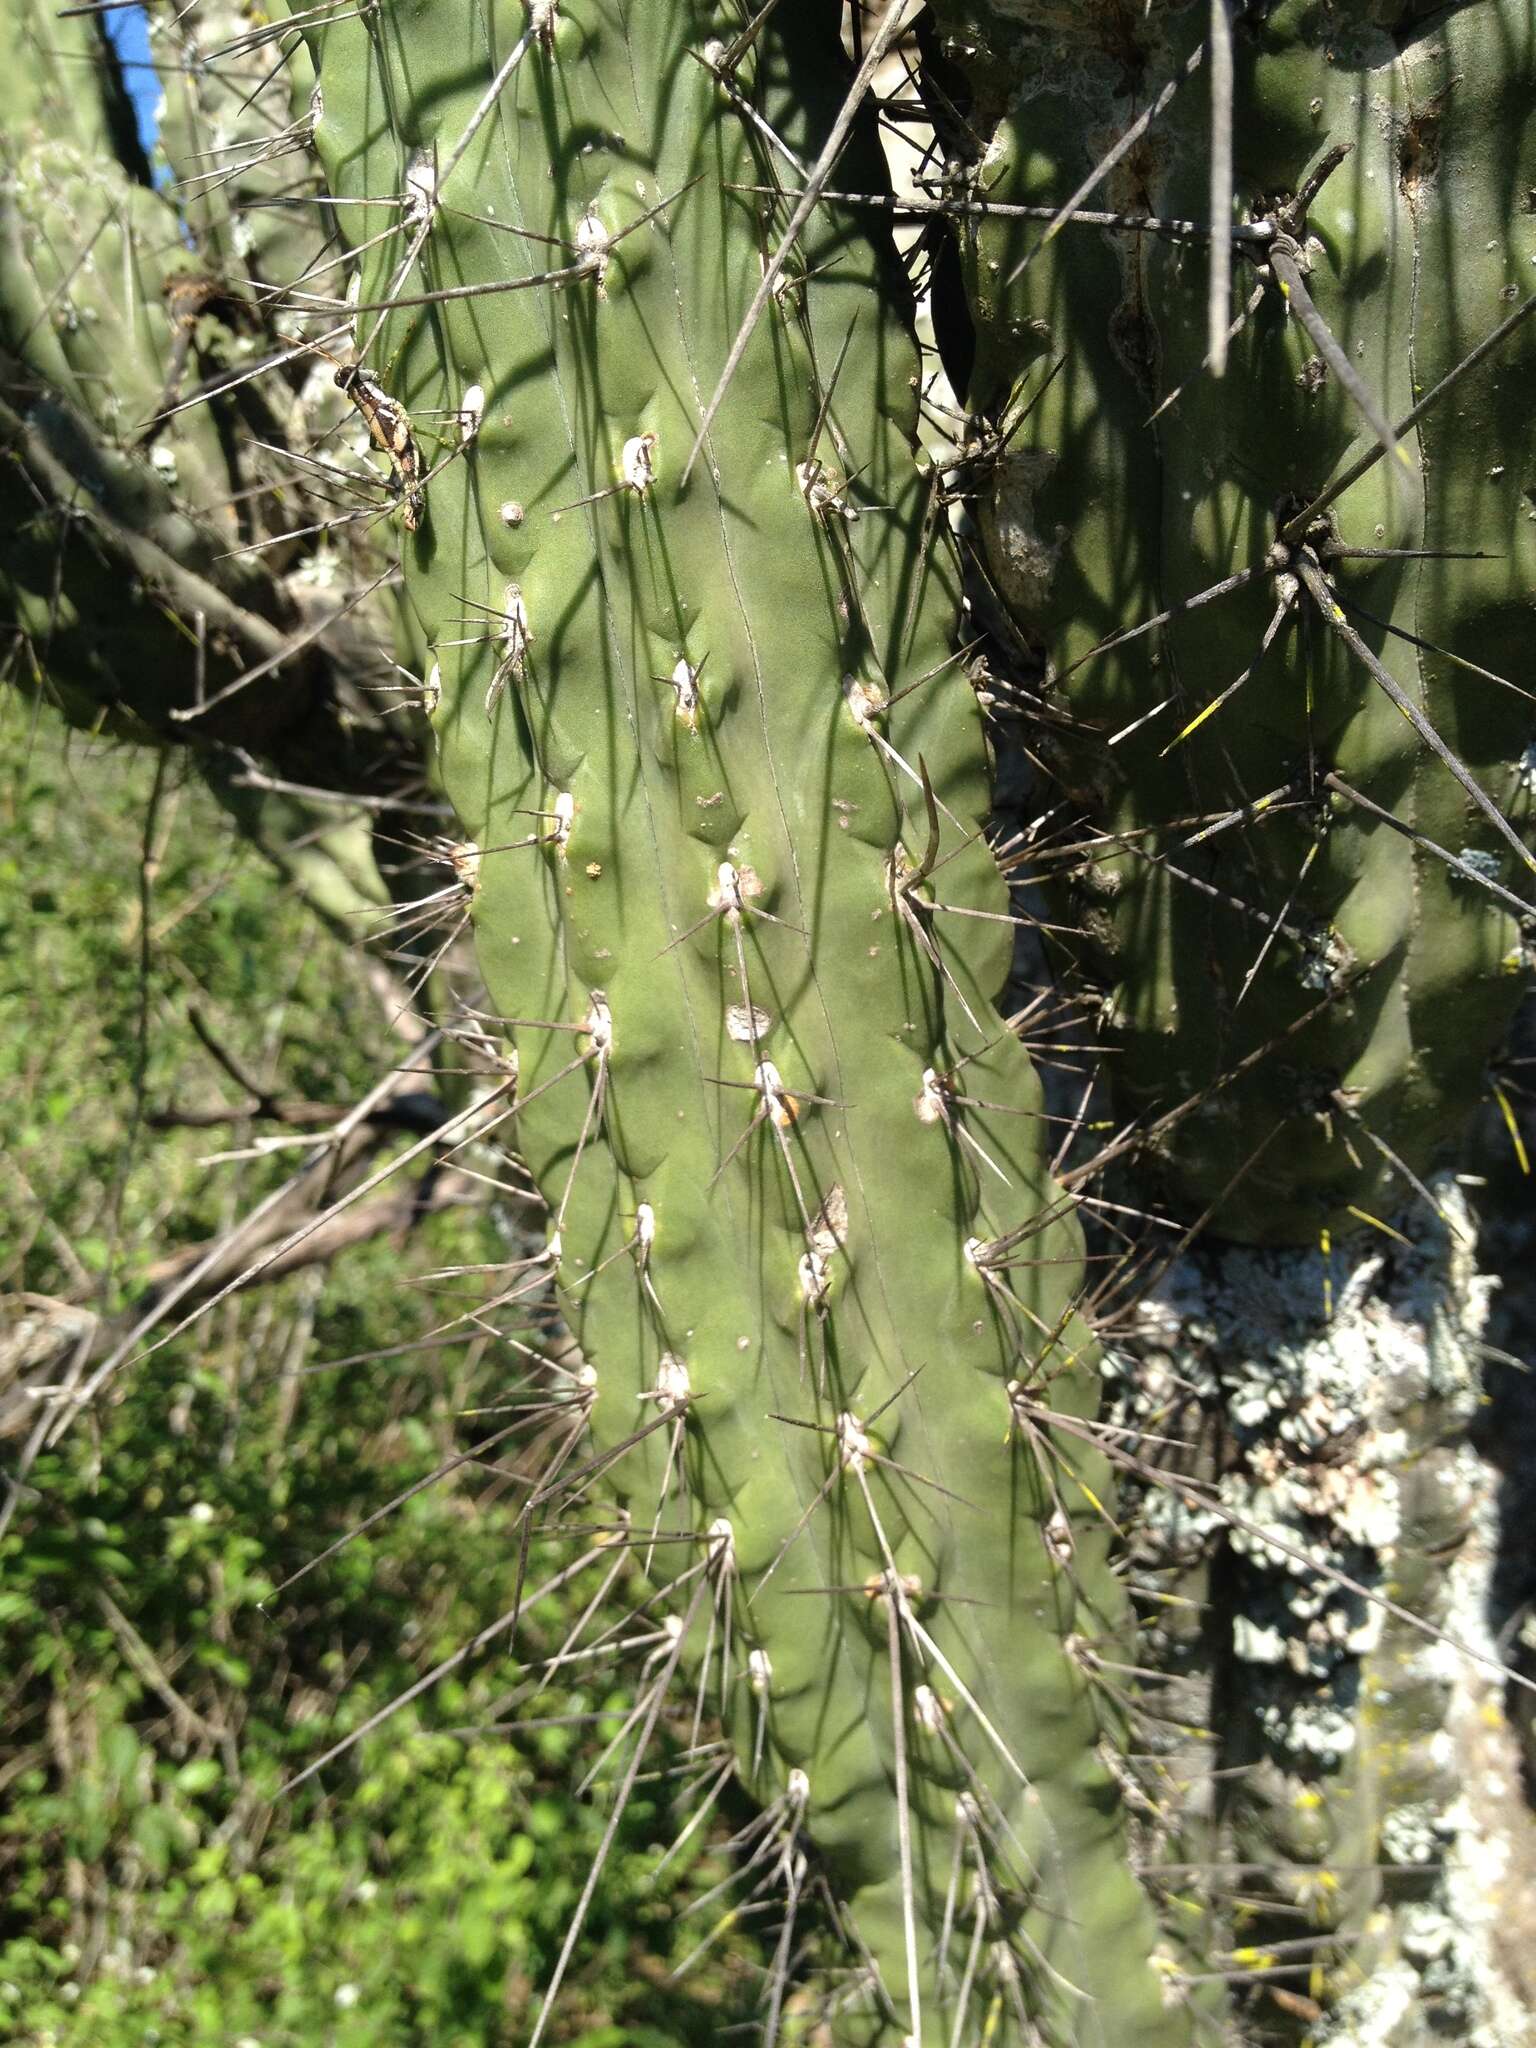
<point x="1341" y="1389"/>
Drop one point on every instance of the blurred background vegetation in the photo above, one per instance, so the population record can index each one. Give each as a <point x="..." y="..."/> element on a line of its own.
<point x="160" y="1682"/>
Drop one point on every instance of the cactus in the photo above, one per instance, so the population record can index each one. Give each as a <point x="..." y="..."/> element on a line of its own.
<point x="1326" y="991"/>
<point x="787" y="1145"/>
<point x="60" y="81"/>
<point x="1297" y="884"/>
<point x="140" y="569"/>
<point x="721" y="787"/>
<point x="245" y="182"/>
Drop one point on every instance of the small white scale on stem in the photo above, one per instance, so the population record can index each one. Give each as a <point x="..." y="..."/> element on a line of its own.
<point x="746" y="1023"/>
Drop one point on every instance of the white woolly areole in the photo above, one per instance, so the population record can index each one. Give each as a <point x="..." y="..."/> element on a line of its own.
<point x="674" y="1388"/>
<point x="464" y="858"/>
<point x="814" y="1276"/>
<point x="930" y="1106"/>
<point x="420" y="187"/>
<point x="685" y="681"/>
<point x="593" y="242"/>
<point x="722" y="1544"/>
<point x="821" y="494"/>
<point x="637" y="462"/>
<point x="928" y="1710"/>
<point x="855" y="1446"/>
<point x="734" y="888"/>
<point x="516" y="632"/>
<point x="781" y="1104"/>
<point x="865" y="701"/>
<point x="598" y="1022"/>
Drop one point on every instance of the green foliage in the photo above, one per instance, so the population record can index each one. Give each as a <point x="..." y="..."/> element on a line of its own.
<point x="96" y="1005"/>
<point x="157" y="1883"/>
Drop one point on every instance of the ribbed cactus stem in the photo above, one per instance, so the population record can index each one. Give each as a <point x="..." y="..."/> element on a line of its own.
<point x="725" y="783"/>
<point x="1286" y="710"/>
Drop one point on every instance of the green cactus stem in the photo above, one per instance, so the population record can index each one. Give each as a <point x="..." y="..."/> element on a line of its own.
<point x="1310" y="927"/>
<point x="719" y="783"/>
